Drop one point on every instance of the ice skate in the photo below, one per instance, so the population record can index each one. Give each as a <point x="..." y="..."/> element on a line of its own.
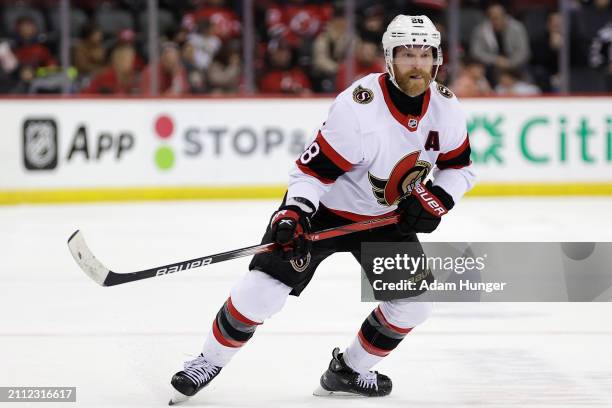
<point x="197" y="374"/>
<point x="340" y="379"/>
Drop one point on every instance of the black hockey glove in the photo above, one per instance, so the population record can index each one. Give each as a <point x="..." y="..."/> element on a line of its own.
<point x="422" y="211"/>
<point x="288" y="226"/>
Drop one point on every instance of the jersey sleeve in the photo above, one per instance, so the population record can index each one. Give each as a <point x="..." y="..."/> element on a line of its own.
<point x="334" y="151"/>
<point x="455" y="172"/>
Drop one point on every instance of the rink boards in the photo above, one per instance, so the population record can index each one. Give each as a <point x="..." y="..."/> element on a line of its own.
<point x="57" y="150"/>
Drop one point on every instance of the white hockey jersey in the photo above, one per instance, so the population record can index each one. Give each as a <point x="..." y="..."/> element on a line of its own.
<point x="368" y="155"/>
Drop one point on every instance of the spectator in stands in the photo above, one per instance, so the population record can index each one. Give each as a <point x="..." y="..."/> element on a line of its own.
<point x="296" y="21"/>
<point x="471" y="80"/>
<point x="544" y="65"/>
<point x="89" y="53"/>
<point x="372" y="22"/>
<point x="592" y="18"/>
<point x="367" y="60"/>
<point x="8" y="67"/>
<point x="127" y="36"/>
<point x="225" y="71"/>
<point x="27" y="75"/>
<point x="587" y="20"/>
<point x="224" y="21"/>
<point x="500" y="42"/>
<point x="195" y="76"/>
<point x="330" y="49"/>
<point x="600" y="54"/>
<point x="119" y="78"/>
<point x="188" y="26"/>
<point x="282" y="75"/>
<point x="28" y="47"/>
<point x="510" y="83"/>
<point x="171" y="73"/>
<point x="205" y="44"/>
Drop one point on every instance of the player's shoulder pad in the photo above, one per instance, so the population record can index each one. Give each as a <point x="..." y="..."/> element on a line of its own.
<point x="444" y="91"/>
<point x="361" y="92"/>
<point x="446" y="100"/>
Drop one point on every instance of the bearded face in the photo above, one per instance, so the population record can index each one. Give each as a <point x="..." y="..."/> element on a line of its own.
<point x="412" y="67"/>
<point x="413" y="82"/>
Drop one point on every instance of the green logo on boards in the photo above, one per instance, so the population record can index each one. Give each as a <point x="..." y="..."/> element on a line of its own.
<point x="489" y="129"/>
<point x="541" y="139"/>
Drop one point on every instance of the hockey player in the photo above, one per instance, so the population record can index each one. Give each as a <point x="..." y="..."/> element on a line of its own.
<point x="383" y="136"/>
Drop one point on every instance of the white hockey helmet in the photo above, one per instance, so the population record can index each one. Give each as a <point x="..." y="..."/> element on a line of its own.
<point x="411" y="31"/>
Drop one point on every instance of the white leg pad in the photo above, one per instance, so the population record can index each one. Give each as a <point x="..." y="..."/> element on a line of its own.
<point x="257" y="296"/>
<point x="404" y="313"/>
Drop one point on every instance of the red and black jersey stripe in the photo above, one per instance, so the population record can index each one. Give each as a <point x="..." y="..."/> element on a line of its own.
<point x="320" y="160"/>
<point x="457" y="158"/>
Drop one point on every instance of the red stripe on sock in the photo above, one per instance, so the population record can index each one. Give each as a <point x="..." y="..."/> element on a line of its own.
<point x="237" y="315"/>
<point x="371" y="348"/>
<point x="381" y="317"/>
<point x="225" y="341"/>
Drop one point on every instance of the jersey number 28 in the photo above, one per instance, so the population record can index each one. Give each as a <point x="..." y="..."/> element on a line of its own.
<point x="310" y="153"/>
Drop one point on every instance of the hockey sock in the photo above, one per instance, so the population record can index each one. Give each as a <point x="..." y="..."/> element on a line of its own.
<point x="230" y="331"/>
<point x="376" y="339"/>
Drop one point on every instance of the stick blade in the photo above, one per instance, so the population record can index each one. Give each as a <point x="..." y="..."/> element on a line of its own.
<point x="85" y="259"/>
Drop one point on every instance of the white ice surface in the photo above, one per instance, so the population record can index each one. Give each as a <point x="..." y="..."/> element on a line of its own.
<point x="120" y="345"/>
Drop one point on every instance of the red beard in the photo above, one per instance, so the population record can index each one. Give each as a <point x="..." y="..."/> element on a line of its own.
<point x="413" y="87"/>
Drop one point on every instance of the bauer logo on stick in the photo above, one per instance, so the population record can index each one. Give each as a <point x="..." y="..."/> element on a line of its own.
<point x="363" y="95"/>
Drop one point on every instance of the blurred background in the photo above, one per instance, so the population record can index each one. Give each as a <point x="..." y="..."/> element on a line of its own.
<point x="295" y="47"/>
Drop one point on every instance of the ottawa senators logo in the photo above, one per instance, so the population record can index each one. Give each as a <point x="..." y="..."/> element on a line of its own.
<point x="362" y="95"/>
<point x="300" y="265"/>
<point x="406" y="174"/>
<point x="444" y="91"/>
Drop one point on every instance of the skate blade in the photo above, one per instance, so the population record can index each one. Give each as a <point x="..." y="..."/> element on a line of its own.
<point x="177" y="398"/>
<point x="322" y="392"/>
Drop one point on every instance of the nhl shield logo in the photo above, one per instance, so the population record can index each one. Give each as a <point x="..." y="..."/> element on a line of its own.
<point x="40" y="144"/>
<point x="363" y="95"/>
<point x="413" y="123"/>
<point x="406" y="174"/>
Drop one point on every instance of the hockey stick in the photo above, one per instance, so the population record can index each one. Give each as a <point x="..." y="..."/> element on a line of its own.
<point x="105" y="277"/>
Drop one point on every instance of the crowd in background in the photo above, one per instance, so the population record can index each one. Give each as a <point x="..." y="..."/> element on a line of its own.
<point x="301" y="47"/>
